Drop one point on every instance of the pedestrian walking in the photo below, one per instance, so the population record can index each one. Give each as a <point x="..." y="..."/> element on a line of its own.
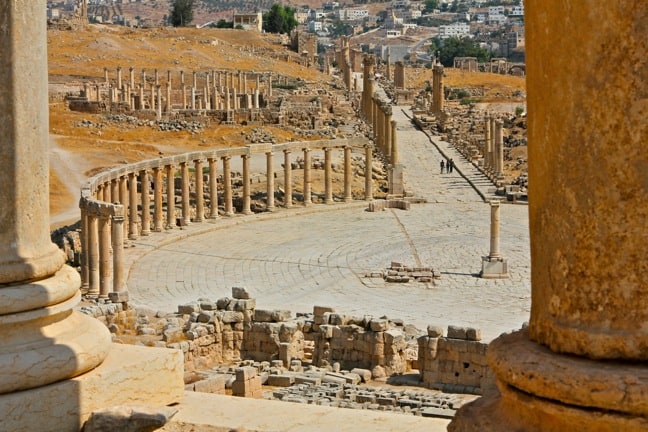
<point x="442" y="166"/>
<point x="451" y="165"/>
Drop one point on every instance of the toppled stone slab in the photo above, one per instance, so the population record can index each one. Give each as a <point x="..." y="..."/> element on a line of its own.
<point x="380" y="205"/>
<point x="129" y="418"/>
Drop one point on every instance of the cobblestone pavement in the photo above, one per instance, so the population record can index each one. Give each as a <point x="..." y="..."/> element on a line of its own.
<point x="321" y="257"/>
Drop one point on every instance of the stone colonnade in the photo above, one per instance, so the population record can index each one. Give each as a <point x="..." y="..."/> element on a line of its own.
<point x="581" y="363"/>
<point x="399" y="75"/>
<point x="116" y="205"/>
<point x="493" y="149"/>
<point x="210" y="90"/>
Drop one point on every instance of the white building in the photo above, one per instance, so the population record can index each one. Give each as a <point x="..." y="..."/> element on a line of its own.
<point x="454" y="30"/>
<point x="352" y="14"/>
<point x="517" y="11"/>
<point x="314" y="26"/>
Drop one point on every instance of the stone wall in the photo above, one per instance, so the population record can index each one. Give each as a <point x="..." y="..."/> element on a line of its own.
<point x="455" y="363"/>
<point x="232" y="330"/>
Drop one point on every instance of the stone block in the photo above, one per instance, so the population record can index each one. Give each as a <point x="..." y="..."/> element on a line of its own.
<point x="130" y="375"/>
<point x="240" y="293"/>
<point x="435" y="331"/>
<point x="263" y="315"/>
<point x="215" y="385"/>
<point x="230" y="317"/>
<point x="119" y="297"/>
<point x="131" y="418"/>
<point x="242" y="305"/>
<point x="172" y="335"/>
<point x="352" y="378"/>
<point x="306" y="379"/>
<point x="207" y="305"/>
<point x="222" y="303"/>
<point x="245" y="373"/>
<point x="320" y="310"/>
<point x="456" y="332"/>
<point x="334" y="378"/>
<point x="473" y="334"/>
<point x="188" y="308"/>
<point x="379" y="325"/>
<point x="365" y="374"/>
<point x="281" y="380"/>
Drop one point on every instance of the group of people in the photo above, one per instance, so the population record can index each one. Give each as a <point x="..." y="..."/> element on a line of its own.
<point x="447" y="166"/>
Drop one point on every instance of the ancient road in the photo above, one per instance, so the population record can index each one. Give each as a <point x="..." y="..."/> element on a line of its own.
<point x="322" y="257"/>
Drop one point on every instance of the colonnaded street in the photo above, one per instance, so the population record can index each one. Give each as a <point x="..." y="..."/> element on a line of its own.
<point x="295" y="259"/>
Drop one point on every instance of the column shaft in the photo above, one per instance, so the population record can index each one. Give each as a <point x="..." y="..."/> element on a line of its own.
<point x="270" y="181"/>
<point x="158" y="215"/>
<point x="245" y="159"/>
<point x="119" y="282"/>
<point x="132" y="183"/>
<point x="93" y="255"/>
<point x="213" y="186"/>
<point x="146" y="203"/>
<point x="368" y="174"/>
<point x="105" y="270"/>
<point x="307" y="176"/>
<point x="227" y="183"/>
<point x="170" y="179"/>
<point x="186" y="206"/>
<point x="348" y="175"/>
<point x="328" y="174"/>
<point x="200" y="197"/>
<point x="287" y="179"/>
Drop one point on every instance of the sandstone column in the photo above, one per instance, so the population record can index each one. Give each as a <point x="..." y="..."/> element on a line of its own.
<point x="499" y="150"/>
<point x="287" y="179"/>
<point x="213" y="186"/>
<point x="119" y="80"/>
<point x="368" y="174"/>
<point x="132" y="206"/>
<point x="184" y="179"/>
<point x="328" y="173"/>
<point x="119" y="281"/>
<point x="270" y="181"/>
<point x="581" y="364"/>
<point x="105" y="270"/>
<point x="307" y="177"/>
<point x="494" y="266"/>
<point x="387" y="127"/>
<point x="170" y="180"/>
<point x="124" y="200"/>
<point x="245" y="159"/>
<point x="227" y="183"/>
<point x="106" y="80"/>
<point x="348" y="175"/>
<point x="131" y="77"/>
<point x="394" y="140"/>
<point x="158" y="216"/>
<point x="43" y="339"/>
<point x="200" y="200"/>
<point x="146" y="203"/>
<point x="93" y="254"/>
<point x="487" y="142"/>
<point x="85" y="274"/>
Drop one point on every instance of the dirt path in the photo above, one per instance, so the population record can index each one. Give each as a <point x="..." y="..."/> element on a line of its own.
<point x="68" y="168"/>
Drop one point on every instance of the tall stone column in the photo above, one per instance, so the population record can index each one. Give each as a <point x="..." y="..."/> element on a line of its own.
<point x="437" y="90"/>
<point x="158" y="216"/>
<point x="387" y="127"/>
<point x="245" y="160"/>
<point x="124" y="200"/>
<point x="170" y="180"/>
<point x="168" y="97"/>
<point x="581" y="364"/>
<point x="158" y="105"/>
<point x="106" y="80"/>
<point x="146" y="203"/>
<point x="132" y="206"/>
<point x="348" y="175"/>
<point x="328" y="174"/>
<point x="287" y="179"/>
<point x="119" y="79"/>
<point x="270" y="181"/>
<point x="93" y="254"/>
<point x="368" y="174"/>
<point x="395" y="157"/>
<point x="43" y="339"/>
<point x="131" y="77"/>
<point x="213" y="186"/>
<point x="193" y="98"/>
<point x="307" y="177"/>
<point x="184" y="90"/>
<point x="85" y="274"/>
<point x="227" y="185"/>
<point x="491" y="152"/>
<point x="105" y="269"/>
<point x="487" y="142"/>
<point x="186" y="208"/>
<point x="119" y="281"/>
<point x="499" y="150"/>
<point x="200" y="197"/>
<point x="494" y="266"/>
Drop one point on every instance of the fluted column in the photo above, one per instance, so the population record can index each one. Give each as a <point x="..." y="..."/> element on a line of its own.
<point x="213" y="186"/>
<point x="227" y="185"/>
<point x="581" y="363"/>
<point x="287" y="179"/>
<point x="200" y="198"/>
<point x="245" y="159"/>
<point x="487" y="142"/>
<point x="105" y="273"/>
<point x="158" y="215"/>
<point x="146" y="203"/>
<point x="348" y="175"/>
<point x="186" y="208"/>
<point x="499" y="149"/>
<point x="107" y="193"/>
<point x="387" y="127"/>
<point x="368" y="174"/>
<point x="270" y="181"/>
<point x="328" y="173"/>
<point x="307" y="177"/>
<point x="132" y="219"/>
<point x="85" y="274"/>
<point x="170" y="179"/>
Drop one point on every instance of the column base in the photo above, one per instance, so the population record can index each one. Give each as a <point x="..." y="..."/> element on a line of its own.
<point x="129" y="375"/>
<point x="494" y="268"/>
<point x="542" y="391"/>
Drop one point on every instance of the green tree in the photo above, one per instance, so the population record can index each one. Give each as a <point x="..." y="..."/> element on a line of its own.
<point x="461" y="47"/>
<point x="181" y="12"/>
<point x="224" y="24"/>
<point x="430" y="5"/>
<point x="279" y="19"/>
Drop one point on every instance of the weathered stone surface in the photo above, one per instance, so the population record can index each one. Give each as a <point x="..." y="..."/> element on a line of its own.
<point x="129" y="418"/>
<point x="240" y="293"/>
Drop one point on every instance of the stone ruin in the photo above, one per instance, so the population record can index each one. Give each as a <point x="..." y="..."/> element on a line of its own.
<point x="316" y="348"/>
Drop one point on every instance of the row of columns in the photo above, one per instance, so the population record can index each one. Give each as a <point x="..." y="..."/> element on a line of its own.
<point x="493" y="149"/>
<point x="105" y="227"/>
<point x="384" y="130"/>
<point x="218" y="92"/>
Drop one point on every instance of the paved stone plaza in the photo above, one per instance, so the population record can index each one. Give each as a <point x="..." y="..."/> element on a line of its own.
<point x="322" y="257"/>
